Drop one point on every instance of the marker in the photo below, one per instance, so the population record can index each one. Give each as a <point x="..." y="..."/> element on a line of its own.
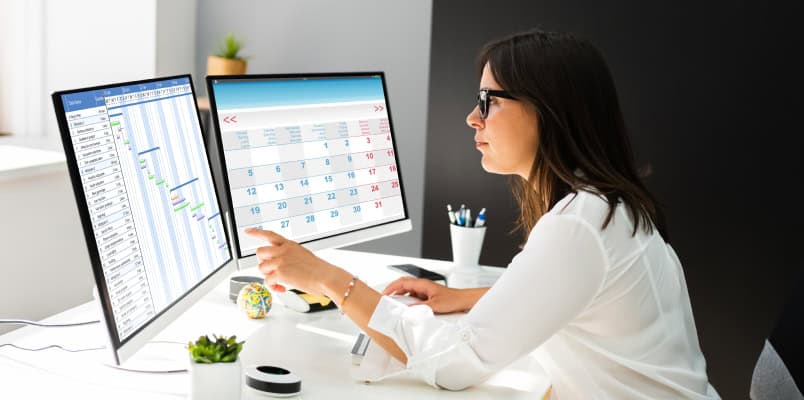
<point x="450" y="214"/>
<point x="468" y="221"/>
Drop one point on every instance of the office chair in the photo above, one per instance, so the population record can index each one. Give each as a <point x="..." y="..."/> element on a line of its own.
<point x="779" y="371"/>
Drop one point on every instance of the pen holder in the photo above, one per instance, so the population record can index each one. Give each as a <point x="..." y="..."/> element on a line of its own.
<point x="466" y="245"/>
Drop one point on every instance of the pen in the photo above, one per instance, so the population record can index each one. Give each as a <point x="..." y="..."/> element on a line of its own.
<point x="451" y="216"/>
<point x="481" y="218"/>
<point x="468" y="221"/>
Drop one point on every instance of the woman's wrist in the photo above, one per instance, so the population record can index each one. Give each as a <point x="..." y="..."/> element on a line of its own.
<point x="334" y="283"/>
<point x="471" y="296"/>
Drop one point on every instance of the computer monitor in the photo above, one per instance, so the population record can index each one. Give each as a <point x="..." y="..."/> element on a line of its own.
<point x="312" y="157"/>
<point x="147" y="202"/>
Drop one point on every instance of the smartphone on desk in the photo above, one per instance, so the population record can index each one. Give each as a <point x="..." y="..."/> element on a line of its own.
<point x="419" y="272"/>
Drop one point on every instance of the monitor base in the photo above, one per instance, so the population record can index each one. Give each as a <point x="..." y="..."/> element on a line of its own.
<point x="158" y="357"/>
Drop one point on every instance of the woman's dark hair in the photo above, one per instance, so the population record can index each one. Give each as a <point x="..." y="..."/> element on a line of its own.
<point x="581" y="127"/>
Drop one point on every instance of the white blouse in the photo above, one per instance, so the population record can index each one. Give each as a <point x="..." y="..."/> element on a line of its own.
<point x="606" y="314"/>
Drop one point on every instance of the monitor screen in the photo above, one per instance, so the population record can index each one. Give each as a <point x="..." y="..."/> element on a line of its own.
<point x="146" y="196"/>
<point x="311" y="157"/>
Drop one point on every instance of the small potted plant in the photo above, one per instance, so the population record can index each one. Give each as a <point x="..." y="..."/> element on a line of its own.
<point x="215" y="368"/>
<point x="227" y="61"/>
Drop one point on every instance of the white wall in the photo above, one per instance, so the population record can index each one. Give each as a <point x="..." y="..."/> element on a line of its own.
<point x="345" y="35"/>
<point x="175" y="37"/>
<point x="44" y="265"/>
<point x="7" y="29"/>
<point x="94" y="42"/>
<point x="21" y="66"/>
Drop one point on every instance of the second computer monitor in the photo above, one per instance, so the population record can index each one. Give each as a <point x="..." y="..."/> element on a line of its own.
<point x="147" y="201"/>
<point x="311" y="157"/>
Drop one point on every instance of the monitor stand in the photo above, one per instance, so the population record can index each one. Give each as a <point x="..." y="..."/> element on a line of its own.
<point x="157" y="357"/>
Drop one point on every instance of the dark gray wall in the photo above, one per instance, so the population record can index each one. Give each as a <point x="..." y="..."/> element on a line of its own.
<point x="711" y="93"/>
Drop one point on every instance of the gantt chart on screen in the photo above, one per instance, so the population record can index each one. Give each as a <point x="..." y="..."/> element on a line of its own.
<point x="308" y="158"/>
<point x="149" y="190"/>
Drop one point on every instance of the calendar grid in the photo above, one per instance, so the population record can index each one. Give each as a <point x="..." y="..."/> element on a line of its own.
<point x="311" y="176"/>
<point x="362" y="134"/>
<point x="329" y="209"/>
<point x="324" y="165"/>
<point x="322" y="192"/>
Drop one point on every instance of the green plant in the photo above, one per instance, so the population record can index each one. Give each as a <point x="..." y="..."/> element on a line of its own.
<point x="222" y="349"/>
<point x="230" y="48"/>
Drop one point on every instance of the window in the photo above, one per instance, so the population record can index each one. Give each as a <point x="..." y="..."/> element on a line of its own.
<point x="57" y="45"/>
<point x="22" y="99"/>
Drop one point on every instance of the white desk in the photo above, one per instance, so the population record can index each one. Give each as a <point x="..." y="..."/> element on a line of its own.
<point x="314" y="346"/>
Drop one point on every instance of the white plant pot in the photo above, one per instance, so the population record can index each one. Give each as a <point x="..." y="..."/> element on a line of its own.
<point x="215" y="381"/>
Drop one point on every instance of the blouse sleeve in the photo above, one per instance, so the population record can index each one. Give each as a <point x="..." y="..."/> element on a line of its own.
<point x="551" y="281"/>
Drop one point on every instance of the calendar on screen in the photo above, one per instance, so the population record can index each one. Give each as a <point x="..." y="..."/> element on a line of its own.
<point x="307" y="156"/>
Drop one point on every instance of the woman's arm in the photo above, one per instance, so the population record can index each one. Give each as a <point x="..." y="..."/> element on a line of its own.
<point x="359" y="307"/>
<point x="441" y="299"/>
<point x="363" y="300"/>
<point x="288" y="262"/>
<point x="471" y="296"/>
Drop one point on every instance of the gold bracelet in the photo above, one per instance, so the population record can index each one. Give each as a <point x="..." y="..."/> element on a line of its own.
<point x="348" y="292"/>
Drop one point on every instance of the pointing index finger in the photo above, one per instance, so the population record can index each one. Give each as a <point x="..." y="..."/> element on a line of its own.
<point x="270" y="236"/>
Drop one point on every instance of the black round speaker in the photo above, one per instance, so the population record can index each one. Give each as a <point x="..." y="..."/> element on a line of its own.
<point x="272" y="381"/>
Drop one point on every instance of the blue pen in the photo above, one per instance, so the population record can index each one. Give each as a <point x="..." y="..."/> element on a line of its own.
<point x="481" y="218"/>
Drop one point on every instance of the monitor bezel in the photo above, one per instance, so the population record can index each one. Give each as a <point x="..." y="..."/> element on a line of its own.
<point x="125" y="348"/>
<point x="337" y="240"/>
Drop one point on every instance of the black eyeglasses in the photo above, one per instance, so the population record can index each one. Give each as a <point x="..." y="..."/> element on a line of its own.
<point x="483" y="100"/>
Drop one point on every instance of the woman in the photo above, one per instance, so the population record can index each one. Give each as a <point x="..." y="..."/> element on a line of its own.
<point x="596" y="294"/>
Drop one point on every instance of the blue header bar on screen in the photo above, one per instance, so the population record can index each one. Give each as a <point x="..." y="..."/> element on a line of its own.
<point x="271" y="92"/>
<point x="94" y="98"/>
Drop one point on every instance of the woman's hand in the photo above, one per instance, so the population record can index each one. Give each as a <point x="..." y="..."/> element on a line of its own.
<point x="286" y="261"/>
<point x="440" y="298"/>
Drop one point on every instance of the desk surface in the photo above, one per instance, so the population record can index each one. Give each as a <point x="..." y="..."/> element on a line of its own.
<point x="314" y="346"/>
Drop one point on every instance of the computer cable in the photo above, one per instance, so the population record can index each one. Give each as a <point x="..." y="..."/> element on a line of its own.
<point x="59" y="347"/>
<point x="56" y="346"/>
<point x="52" y="346"/>
<point x="45" y="325"/>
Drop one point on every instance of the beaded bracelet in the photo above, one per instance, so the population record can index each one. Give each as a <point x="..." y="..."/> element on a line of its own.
<point x="348" y="292"/>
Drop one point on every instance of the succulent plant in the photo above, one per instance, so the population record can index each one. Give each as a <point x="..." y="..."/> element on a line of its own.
<point x="220" y="350"/>
<point x="230" y="48"/>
